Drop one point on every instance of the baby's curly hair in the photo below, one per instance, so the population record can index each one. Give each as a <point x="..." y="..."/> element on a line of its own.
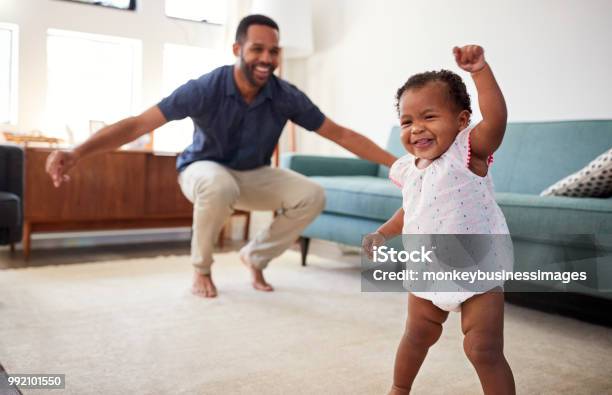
<point x="456" y="88"/>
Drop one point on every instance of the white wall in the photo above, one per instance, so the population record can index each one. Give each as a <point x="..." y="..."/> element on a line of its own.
<point x="552" y="58"/>
<point x="148" y="23"/>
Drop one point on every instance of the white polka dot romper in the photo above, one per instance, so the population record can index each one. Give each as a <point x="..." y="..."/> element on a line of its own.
<point x="448" y="198"/>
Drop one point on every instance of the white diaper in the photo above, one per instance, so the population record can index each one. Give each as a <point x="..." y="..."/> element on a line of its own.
<point x="466" y="256"/>
<point x="447" y="301"/>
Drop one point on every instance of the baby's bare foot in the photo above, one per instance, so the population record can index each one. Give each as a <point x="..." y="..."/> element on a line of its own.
<point x="395" y="390"/>
<point x="259" y="282"/>
<point x="203" y="285"/>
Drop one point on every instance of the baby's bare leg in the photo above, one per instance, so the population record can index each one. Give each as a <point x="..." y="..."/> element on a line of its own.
<point x="423" y="329"/>
<point x="482" y="322"/>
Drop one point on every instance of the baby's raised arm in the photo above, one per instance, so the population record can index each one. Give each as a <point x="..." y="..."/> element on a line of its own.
<point x="487" y="135"/>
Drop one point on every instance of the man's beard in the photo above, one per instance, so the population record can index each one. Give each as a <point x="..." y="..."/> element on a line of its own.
<point x="248" y="71"/>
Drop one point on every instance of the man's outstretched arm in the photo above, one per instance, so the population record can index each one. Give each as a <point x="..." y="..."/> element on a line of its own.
<point x="358" y="144"/>
<point x="106" y="139"/>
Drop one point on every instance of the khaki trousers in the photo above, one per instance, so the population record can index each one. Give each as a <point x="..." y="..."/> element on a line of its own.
<point x="216" y="190"/>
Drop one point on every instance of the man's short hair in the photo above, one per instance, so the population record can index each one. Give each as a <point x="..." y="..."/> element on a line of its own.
<point x="255" y="19"/>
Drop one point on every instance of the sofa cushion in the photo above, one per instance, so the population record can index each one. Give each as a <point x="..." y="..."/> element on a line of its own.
<point x="594" y="180"/>
<point x="10" y="210"/>
<point x="377" y="198"/>
<point x="360" y="196"/>
<point x="534" y="155"/>
<point x="530" y="214"/>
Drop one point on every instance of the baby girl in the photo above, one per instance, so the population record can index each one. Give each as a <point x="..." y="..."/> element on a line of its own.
<point x="447" y="189"/>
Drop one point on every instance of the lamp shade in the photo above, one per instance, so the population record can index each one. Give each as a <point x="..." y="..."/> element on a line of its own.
<point x="294" y="18"/>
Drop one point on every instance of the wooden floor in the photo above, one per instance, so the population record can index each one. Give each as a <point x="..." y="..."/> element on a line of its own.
<point x="56" y="256"/>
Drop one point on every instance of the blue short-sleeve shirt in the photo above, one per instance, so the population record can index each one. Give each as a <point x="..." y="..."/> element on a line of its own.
<point x="231" y="132"/>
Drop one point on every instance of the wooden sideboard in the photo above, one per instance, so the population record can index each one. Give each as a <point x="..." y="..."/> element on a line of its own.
<point x="116" y="190"/>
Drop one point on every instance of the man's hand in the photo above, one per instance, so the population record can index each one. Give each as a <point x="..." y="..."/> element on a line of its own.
<point x="372" y="240"/>
<point x="470" y="58"/>
<point x="356" y="143"/>
<point x="58" y="164"/>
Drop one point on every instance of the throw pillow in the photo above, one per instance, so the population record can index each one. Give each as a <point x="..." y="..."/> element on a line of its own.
<point x="594" y="180"/>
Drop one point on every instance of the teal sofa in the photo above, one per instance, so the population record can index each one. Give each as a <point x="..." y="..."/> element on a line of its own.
<point x="548" y="232"/>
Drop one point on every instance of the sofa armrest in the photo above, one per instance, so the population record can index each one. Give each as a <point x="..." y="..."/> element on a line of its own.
<point x="11" y="169"/>
<point x="315" y="165"/>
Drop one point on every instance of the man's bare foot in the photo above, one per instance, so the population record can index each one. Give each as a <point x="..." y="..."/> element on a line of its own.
<point x="259" y="282"/>
<point x="203" y="285"/>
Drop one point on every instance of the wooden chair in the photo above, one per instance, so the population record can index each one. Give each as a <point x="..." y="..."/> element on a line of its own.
<point x="246" y="214"/>
<point x="247" y="225"/>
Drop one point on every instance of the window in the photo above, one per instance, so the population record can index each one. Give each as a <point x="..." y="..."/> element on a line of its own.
<point x="90" y="78"/>
<point x="121" y="4"/>
<point x="182" y="63"/>
<point x="210" y="11"/>
<point x="8" y="73"/>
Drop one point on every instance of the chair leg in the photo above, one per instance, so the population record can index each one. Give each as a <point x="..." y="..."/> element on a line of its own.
<point x="25" y="242"/>
<point x="304" y="244"/>
<point x="220" y="240"/>
<point x="12" y="248"/>
<point x="247" y="226"/>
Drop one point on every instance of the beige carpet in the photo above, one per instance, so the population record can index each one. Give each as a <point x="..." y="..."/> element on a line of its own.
<point x="133" y="327"/>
